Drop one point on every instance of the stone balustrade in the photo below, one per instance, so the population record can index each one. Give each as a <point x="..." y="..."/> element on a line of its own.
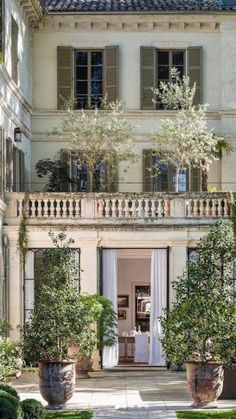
<point x="115" y="208"/>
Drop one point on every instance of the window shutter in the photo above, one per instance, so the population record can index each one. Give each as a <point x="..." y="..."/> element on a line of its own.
<point x="148" y="171"/>
<point x="148" y="76"/>
<point x="171" y="178"/>
<point x="9" y="164"/>
<point x="64" y="75"/>
<point x="111" y="73"/>
<point x="195" y="179"/>
<point x="14" y="50"/>
<point x="2" y="30"/>
<point x="22" y="171"/>
<point x="65" y="157"/>
<point x="194" y="71"/>
<point x="113" y="185"/>
<point x="1" y="163"/>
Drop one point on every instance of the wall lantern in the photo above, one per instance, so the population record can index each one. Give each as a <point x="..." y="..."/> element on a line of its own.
<point x="17" y="135"/>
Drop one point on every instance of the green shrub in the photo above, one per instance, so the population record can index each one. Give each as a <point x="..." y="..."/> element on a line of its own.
<point x="13" y="401"/>
<point x="10" y="390"/>
<point x="32" y="409"/>
<point x="10" y="358"/>
<point x="7" y="409"/>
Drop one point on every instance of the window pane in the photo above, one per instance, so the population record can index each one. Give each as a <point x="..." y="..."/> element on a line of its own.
<point x="96" y="58"/>
<point x="81" y="58"/>
<point x="163" y="58"/>
<point x="81" y="87"/>
<point x="163" y="73"/>
<point x="81" y="73"/>
<point x="180" y="70"/>
<point x="81" y="102"/>
<point x="82" y="178"/>
<point x="96" y="88"/>
<point x="100" y="177"/>
<point x="177" y="58"/>
<point x="96" y="73"/>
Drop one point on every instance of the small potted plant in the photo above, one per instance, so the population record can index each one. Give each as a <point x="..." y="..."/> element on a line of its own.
<point x="200" y="327"/>
<point x="58" y="320"/>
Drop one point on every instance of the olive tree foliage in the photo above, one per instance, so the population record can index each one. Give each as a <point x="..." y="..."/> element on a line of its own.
<point x="99" y="135"/>
<point x="184" y="140"/>
<point x="201" y="324"/>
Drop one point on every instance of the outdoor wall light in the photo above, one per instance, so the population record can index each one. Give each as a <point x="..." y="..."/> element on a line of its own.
<point x="17" y="135"/>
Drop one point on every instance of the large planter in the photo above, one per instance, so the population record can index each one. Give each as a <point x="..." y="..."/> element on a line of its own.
<point x="56" y="382"/>
<point x="83" y="366"/>
<point x="205" y="383"/>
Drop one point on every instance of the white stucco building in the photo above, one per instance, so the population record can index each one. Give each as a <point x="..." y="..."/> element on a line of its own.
<point x="139" y="231"/>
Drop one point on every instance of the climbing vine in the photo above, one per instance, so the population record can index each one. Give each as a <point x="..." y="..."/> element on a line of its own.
<point x="22" y="242"/>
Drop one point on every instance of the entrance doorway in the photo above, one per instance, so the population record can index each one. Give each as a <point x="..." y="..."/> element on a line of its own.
<point x="136" y="282"/>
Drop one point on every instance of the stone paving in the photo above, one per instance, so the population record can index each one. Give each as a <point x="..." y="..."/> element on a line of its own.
<point x="125" y="394"/>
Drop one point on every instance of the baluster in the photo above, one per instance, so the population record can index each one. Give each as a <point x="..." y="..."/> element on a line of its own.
<point x="126" y="208"/>
<point x="213" y="207"/>
<point x="207" y="207"/>
<point x="120" y="208"/>
<point x="70" y="208"/>
<point x="113" y="208"/>
<point x="146" y="208"/>
<point x="33" y="208"/>
<point x="153" y="208"/>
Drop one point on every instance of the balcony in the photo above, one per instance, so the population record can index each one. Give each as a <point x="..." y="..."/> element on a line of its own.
<point x="118" y="209"/>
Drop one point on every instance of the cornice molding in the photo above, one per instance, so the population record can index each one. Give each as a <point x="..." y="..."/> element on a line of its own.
<point x="32" y="10"/>
<point x="11" y="85"/>
<point x="140" y="22"/>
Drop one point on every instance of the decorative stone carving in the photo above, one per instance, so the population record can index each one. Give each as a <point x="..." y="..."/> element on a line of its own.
<point x="56" y="381"/>
<point x="205" y="383"/>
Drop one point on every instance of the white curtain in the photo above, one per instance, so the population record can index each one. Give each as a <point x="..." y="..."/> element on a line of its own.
<point x="109" y="267"/>
<point x="158" y="303"/>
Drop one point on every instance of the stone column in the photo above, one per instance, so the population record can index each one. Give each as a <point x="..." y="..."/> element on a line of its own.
<point x="16" y="291"/>
<point x="178" y="258"/>
<point x="89" y="267"/>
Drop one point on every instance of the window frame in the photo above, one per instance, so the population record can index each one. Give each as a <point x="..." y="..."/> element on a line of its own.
<point x="89" y="80"/>
<point x="159" y="106"/>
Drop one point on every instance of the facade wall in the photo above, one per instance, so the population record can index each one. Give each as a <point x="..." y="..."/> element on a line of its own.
<point x="214" y="33"/>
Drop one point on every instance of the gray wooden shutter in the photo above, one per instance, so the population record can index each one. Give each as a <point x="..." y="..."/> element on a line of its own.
<point x="148" y="77"/>
<point x="2" y="30"/>
<point x="22" y="171"/>
<point x="14" y="50"/>
<point x="171" y="177"/>
<point x="111" y="73"/>
<point x="64" y="75"/>
<point x="65" y="157"/>
<point x="148" y="171"/>
<point x="194" y="71"/>
<point x="195" y="179"/>
<point x="9" y="164"/>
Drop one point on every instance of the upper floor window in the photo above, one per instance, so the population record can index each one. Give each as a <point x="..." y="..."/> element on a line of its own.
<point x="156" y="65"/>
<point x="88" y="79"/>
<point x="14" y="50"/>
<point x="100" y="179"/>
<point x="159" y="176"/>
<point x="166" y="60"/>
<point x="87" y="76"/>
<point x="15" y="168"/>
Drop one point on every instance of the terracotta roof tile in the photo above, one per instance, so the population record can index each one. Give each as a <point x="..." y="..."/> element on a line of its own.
<point x="64" y="6"/>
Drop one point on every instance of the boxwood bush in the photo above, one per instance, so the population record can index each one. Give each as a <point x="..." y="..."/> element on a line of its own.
<point x="10" y="407"/>
<point x="32" y="409"/>
<point x="10" y="390"/>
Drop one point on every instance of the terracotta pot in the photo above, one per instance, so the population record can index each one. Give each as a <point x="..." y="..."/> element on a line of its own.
<point x="83" y="366"/>
<point x="56" y="382"/>
<point x="205" y="383"/>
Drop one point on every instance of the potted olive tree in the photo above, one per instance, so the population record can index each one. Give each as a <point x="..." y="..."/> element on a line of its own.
<point x="200" y="327"/>
<point x="59" y="318"/>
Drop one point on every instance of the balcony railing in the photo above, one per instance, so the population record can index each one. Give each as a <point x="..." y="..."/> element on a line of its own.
<point x="115" y="208"/>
